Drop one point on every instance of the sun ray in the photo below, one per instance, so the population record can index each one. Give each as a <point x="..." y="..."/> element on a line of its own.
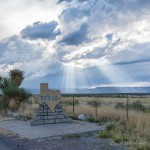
<point x="114" y="73"/>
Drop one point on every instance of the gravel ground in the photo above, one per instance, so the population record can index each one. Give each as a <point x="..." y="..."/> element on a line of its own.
<point x="10" y="140"/>
<point x="24" y="129"/>
<point x="81" y="143"/>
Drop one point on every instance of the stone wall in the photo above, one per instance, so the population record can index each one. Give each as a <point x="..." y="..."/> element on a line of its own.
<point x="45" y="116"/>
<point x="50" y="107"/>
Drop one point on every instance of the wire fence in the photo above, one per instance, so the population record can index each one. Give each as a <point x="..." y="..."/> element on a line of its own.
<point x="126" y="106"/>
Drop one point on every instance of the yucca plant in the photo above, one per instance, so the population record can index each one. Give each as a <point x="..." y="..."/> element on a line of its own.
<point x="13" y="95"/>
<point x="5" y="82"/>
<point x="16" y="76"/>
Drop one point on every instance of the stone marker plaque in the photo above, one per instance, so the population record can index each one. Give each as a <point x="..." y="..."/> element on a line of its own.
<point x="50" y="97"/>
<point x="50" y="107"/>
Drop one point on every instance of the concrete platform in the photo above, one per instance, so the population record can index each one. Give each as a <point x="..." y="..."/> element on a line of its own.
<point x="24" y="129"/>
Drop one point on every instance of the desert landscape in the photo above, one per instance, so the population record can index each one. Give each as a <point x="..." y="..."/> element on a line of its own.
<point x="134" y="133"/>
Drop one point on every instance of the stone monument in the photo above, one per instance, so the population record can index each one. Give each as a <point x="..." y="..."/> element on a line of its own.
<point x="50" y="108"/>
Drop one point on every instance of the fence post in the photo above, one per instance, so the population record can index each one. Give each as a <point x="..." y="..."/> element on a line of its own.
<point x="96" y="108"/>
<point x="127" y="108"/>
<point x="73" y="104"/>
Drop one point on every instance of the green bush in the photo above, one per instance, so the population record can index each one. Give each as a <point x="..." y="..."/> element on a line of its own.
<point x="104" y="134"/>
<point x="97" y="120"/>
<point x="91" y="119"/>
<point x="94" y="103"/>
<point x="143" y="148"/>
<point x="117" y="138"/>
<point x="110" y="126"/>
<point x="70" y="103"/>
<point x="137" y="106"/>
<point x="120" y="106"/>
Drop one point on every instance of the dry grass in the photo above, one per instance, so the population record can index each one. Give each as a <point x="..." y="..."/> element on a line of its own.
<point x="139" y="120"/>
<point x="111" y="101"/>
<point x="138" y="125"/>
<point x="136" y="129"/>
<point x="28" y="110"/>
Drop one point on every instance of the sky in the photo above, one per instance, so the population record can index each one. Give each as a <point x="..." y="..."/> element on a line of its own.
<point x="76" y="43"/>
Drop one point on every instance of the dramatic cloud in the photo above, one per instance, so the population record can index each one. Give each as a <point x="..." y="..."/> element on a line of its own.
<point x="41" y="31"/>
<point x="77" y="37"/>
<point x="33" y="58"/>
<point x="14" y="50"/>
<point x="16" y="15"/>
<point x="86" y="41"/>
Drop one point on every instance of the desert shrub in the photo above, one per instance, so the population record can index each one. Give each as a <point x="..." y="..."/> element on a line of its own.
<point x="70" y="103"/>
<point x="13" y="94"/>
<point x="143" y="147"/>
<point x="110" y="126"/>
<point x="100" y="121"/>
<point x="137" y="106"/>
<point x="117" y="138"/>
<point x="120" y="96"/>
<point x="104" y="134"/>
<point x="120" y="106"/>
<point x="94" y="103"/>
<point x="91" y="119"/>
<point x="147" y="110"/>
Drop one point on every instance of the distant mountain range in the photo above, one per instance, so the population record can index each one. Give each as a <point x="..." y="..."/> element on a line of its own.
<point x="101" y="90"/>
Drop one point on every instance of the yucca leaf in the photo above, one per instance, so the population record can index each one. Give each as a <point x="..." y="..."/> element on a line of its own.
<point x="5" y="82"/>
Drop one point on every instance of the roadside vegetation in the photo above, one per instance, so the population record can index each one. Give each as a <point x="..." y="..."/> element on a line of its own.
<point x="12" y="94"/>
<point x="137" y="106"/>
<point x="133" y="133"/>
<point x="70" y="103"/>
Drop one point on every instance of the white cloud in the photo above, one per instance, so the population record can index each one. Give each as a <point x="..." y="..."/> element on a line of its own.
<point x="92" y="32"/>
<point x="132" y="84"/>
<point x="17" y="14"/>
<point x="34" y="59"/>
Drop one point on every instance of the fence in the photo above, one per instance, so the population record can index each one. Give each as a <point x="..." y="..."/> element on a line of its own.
<point x="113" y="106"/>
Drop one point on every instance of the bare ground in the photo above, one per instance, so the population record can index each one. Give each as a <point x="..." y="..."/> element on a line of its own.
<point x="11" y="141"/>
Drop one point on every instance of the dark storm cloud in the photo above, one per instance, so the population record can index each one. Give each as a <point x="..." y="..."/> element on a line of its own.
<point x="77" y="37"/>
<point x="41" y="30"/>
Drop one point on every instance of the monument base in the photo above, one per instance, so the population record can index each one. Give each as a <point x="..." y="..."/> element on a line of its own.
<point x="45" y="116"/>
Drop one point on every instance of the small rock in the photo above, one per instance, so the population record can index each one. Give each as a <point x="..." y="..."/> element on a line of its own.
<point x="82" y="117"/>
<point x="13" y="114"/>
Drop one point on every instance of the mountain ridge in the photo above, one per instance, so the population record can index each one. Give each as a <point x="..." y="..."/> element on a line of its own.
<point x="101" y="90"/>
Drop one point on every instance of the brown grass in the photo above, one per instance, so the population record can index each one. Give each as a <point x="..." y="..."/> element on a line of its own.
<point x="139" y="120"/>
<point x="138" y="125"/>
<point x="28" y="110"/>
<point x="110" y="101"/>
